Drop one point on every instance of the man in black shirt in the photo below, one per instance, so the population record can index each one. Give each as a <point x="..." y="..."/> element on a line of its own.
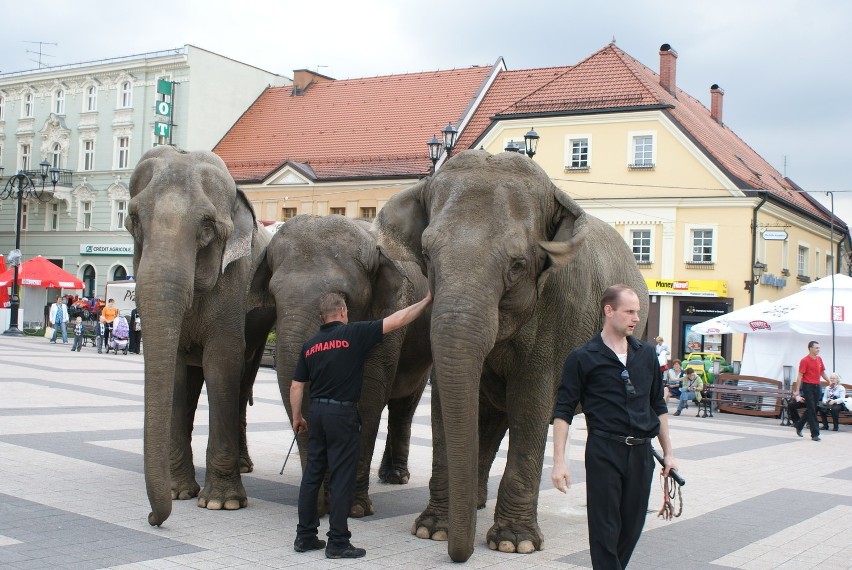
<point x="616" y="379"/>
<point x="333" y="362"/>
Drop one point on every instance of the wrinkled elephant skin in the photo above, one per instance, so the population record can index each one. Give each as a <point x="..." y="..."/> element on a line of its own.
<point x="310" y="256"/>
<point x="517" y="270"/>
<point x="199" y="284"/>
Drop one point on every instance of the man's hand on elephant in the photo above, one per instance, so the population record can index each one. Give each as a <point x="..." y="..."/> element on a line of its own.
<point x="560" y="477"/>
<point x="300" y="425"/>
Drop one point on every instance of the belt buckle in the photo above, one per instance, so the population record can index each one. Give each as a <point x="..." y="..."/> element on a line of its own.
<point x="629" y="440"/>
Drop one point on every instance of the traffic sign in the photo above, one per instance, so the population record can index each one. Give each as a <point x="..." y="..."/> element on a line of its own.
<point x="164" y="108"/>
<point x="162" y="129"/>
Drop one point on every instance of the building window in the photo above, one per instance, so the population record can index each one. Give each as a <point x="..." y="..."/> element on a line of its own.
<point x="642" y="149"/>
<point x="640" y="242"/>
<point x="89" y="280"/>
<point x="2" y="108"/>
<point x="56" y="156"/>
<point x="91" y="98"/>
<point x="25" y="157"/>
<point x="829" y="265"/>
<point x="88" y="159"/>
<point x="368" y="213"/>
<point x="123" y="153"/>
<point x="25" y="215"/>
<point x="338" y="211"/>
<point x="702" y="246"/>
<point x="86" y="215"/>
<point x="817" y="267"/>
<point x="59" y="102"/>
<point x="120" y="213"/>
<point x="577" y="147"/>
<point x="802" y="262"/>
<point x="27" y="107"/>
<point x="287" y="213"/>
<point x="125" y="95"/>
<point x="120" y="273"/>
<point x="54" y="216"/>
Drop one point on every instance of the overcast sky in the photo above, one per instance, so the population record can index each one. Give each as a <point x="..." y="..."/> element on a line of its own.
<point x="784" y="64"/>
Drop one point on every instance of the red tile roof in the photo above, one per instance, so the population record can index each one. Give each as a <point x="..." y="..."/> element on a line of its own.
<point x="609" y="81"/>
<point x="356" y="128"/>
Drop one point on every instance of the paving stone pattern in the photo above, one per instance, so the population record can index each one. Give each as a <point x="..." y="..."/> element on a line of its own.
<point x="72" y="492"/>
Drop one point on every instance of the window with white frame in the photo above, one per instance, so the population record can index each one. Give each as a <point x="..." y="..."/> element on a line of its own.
<point x="125" y="95"/>
<point x="702" y="244"/>
<point x="785" y="257"/>
<point x="640" y="243"/>
<point x="86" y="214"/>
<point x="802" y="262"/>
<point x="59" y="102"/>
<point x="87" y="159"/>
<point x="2" y="107"/>
<point x="287" y="213"/>
<point x="577" y="151"/>
<point x="122" y="151"/>
<point x="53" y="217"/>
<point x="817" y="266"/>
<point x="337" y="211"/>
<point x="56" y="156"/>
<point x="25" y="215"/>
<point x="90" y="103"/>
<point x="368" y="213"/>
<point x="829" y="264"/>
<point x="28" y="106"/>
<point x="25" y="157"/>
<point x="642" y="149"/>
<point x="120" y="213"/>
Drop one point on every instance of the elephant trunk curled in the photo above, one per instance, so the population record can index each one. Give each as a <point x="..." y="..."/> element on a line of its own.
<point x="163" y="294"/>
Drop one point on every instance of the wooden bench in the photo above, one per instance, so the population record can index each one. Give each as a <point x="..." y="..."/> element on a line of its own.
<point x="750" y="395"/>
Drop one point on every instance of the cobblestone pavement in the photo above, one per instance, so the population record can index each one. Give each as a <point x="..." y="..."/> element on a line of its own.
<point x="72" y="491"/>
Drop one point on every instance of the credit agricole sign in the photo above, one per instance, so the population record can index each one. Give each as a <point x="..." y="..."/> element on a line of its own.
<point x="106" y="249"/>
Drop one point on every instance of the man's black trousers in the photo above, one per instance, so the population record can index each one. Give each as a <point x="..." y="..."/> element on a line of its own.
<point x="333" y="445"/>
<point x="618" y="484"/>
<point x="811" y="395"/>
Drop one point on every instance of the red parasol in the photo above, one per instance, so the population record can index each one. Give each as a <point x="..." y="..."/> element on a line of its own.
<point x="4" y="293"/>
<point x="39" y="272"/>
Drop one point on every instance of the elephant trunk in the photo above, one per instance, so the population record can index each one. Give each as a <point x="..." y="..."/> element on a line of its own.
<point x="460" y="342"/>
<point x="163" y="295"/>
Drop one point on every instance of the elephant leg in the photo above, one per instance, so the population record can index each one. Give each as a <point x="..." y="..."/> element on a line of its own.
<point x="223" y="370"/>
<point x="187" y="387"/>
<point x="493" y="424"/>
<point x="515" y="527"/>
<point x="394" y="467"/>
<point x="246" y="387"/>
<point x="433" y="522"/>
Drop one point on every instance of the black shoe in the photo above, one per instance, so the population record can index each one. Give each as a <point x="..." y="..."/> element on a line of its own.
<point x="835" y="428"/>
<point x="307" y="544"/>
<point x="677" y="413"/>
<point x="815" y="438"/>
<point x="799" y="432"/>
<point x="345" y="551"/>
<point x="825" y="427"/>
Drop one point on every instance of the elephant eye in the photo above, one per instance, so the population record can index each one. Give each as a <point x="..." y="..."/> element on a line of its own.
<point x="207" y="231"/>
<point x="517" y="268"/>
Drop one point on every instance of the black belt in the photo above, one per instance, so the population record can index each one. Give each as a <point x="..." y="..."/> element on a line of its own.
<point x="333" y="402"/>
<point x="626" y="440"/>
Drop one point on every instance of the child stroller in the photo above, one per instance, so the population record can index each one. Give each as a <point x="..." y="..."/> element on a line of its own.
<point x="120" y="337"/>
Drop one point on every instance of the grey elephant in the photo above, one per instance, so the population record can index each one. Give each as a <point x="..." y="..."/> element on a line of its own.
<point x="310" y="256"/>
<point x="202" y="287"/>
<point x="517" y="270"/>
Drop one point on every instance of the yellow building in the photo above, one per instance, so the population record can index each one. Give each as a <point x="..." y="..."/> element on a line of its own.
<point x="713" y="226"/>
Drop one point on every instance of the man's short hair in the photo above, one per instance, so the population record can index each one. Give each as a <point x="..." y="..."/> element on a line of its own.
<point x="812" y="343"/>
<point x="612" y="295"/>
<point x="330" y="304"/>
<point x="110" y="300"/>
<point x="689" y="371"/>
<point x="659" y="339"/>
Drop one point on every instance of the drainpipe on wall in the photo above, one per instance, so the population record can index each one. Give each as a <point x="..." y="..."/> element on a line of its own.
<point x="754" y="232"/>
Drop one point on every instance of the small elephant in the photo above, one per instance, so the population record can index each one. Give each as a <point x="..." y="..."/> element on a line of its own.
<point x="202" y="286"/>
<point x="517" y="270"/>
<point x="310" y="256"/>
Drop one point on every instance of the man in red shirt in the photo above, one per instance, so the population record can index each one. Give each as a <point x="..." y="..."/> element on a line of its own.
<point x="811" y="369"/>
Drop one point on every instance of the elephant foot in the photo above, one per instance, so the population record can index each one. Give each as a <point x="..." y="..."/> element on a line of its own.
<point x="431" y="525"/>
<point x="184" y="488"/>
<point x="361" y="507"/>
<point x="394" y="475"/>
<point x="246" y="464"/>
<point x="523" y="538"/>
<point x="217" y="495"/>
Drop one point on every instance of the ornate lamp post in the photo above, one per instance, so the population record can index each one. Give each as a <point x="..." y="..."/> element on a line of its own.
<point x="450" y="135"/>
<point x="512" y="147"/>
<point x="21" y="187"/>
<point x="531" y="142"/>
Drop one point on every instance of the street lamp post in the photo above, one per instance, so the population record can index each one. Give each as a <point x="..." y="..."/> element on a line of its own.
<point x="450" y="135"/>
<point x="531" y="142"/>
<point x="21" y="187"/>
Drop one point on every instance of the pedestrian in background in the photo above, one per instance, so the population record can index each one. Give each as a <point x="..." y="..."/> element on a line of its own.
<point x="811" y="369"/>
<point x="58" y="319"/>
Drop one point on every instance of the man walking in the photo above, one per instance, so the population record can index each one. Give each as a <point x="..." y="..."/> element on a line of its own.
<point x="616" y="379"/>
<point x="333" y="362"/>
<point x="811" y="369"/>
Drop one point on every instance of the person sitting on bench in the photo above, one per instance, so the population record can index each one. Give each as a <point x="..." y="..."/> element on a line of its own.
<point x="673" y="378"/>
<point x="832" y="401"/>
<point x="691" y="390"/>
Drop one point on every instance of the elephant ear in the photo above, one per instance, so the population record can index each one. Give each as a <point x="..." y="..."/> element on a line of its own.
<point x="401" y="222"/>
<point x="392" y="290"/>
<point x="570" y="230"/>
<point x="239" y="244"/>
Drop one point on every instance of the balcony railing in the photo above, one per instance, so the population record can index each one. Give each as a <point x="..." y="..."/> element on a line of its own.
<point x="64" y="177"/>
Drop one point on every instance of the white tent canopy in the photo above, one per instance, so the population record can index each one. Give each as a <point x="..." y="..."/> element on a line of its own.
<point x="778" y="333"/>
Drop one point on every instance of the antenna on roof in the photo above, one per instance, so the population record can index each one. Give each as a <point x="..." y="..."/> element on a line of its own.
<point x="40" y="53"/>
<point x="612" y="43"/>
<point x="318" y="66"/>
